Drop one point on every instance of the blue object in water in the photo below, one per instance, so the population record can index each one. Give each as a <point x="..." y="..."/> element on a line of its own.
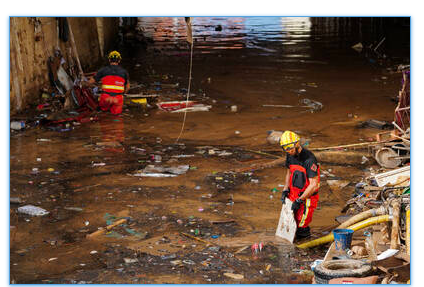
<point x="342" y="238"/>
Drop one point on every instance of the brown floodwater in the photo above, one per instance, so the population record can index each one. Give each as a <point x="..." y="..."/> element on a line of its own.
<point x="85" y="177"/>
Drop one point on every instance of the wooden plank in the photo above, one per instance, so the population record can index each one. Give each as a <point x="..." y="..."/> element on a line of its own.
<point x="109" y="227"/>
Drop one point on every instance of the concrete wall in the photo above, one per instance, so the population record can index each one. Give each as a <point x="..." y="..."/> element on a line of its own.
<point x="34" y="39"/>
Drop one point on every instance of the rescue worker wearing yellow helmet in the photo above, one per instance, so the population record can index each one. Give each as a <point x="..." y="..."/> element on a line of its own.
<point x="115" y="82"/>
<point x="301" y="182"/>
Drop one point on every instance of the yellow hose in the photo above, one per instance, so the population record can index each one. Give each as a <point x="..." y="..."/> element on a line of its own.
<point x="408" y="231"/>
<point x="362" y="216"/>
<point x="354" y="227"/>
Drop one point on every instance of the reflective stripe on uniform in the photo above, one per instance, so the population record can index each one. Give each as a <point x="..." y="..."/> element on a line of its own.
<point x="113" y="87"/>
<point x="305" y="212"/>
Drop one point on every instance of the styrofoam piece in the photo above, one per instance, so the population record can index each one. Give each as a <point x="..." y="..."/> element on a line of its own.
<point x="286" y="228"/>
<point x="32" y="210"/>
<point x="392" y="176"/>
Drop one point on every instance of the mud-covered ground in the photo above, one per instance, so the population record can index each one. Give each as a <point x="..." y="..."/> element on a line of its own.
<point x="87" y="177"/>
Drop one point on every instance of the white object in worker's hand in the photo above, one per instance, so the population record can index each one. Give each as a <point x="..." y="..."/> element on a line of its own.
<point x="286" y="228"/>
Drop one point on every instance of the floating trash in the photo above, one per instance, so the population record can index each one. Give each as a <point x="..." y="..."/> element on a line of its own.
<point x="32" y="210"/>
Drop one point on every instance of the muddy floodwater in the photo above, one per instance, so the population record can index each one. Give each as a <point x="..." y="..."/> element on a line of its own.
<point x="88" y="177"/>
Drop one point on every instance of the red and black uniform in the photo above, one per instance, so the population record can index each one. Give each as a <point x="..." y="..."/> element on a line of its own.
<point x="302" y="167"/>
<point x="114" y="79"/>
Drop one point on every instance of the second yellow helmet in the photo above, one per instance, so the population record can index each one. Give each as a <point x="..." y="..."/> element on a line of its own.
<point x="114" y="55"/>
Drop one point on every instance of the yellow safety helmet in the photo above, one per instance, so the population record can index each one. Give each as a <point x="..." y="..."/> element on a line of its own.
<point x="114" y="56"/>
<point x="289" y="140"/>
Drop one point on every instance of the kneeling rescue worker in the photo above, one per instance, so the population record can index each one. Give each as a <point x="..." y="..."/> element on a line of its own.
<point x="115" y="82"/>
<point x="301" y="183"/>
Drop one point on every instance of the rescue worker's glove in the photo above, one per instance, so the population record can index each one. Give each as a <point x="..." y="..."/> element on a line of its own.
<point x="284" y="195"/>
<point x="296" y="204"/>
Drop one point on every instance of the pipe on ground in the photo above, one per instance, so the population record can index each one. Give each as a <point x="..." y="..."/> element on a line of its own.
<point x="354" y="227"/>
<point x="362" y="216"/>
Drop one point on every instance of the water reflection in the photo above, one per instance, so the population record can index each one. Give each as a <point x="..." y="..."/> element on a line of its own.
<point x="112" y="132"/>
<point x="305" y="37"/>
<point x="229" y="33"/>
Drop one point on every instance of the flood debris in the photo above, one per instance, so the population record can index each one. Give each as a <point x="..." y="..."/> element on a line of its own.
<point x="16" y="200"/>
<point x="182" y="106"/>
<point x="313" y="105"/>
<point x="372" y="207"/>
<point x="358" y="47"/>
<point x="109" y="227"/>
<point x="377" y="124"/>
<point x="162" y="171"/>
<point x="32" y="210"/>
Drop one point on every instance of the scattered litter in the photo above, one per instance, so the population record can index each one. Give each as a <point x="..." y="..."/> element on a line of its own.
<point x="364" y="160"/>
<point x="234" y="109"/>
<point x="130" y="260"/>
<point x="382" y="125"/>
<point x="224" y="153"/>
<point x="314" y="105"/>
<point x="73" y="208"/>
<point x="181" y="169"/>
<point x="394" y="177"/>
<point x="93" y="252"/>
<point x="17" y="125"/>
<point x="32" y="210"/>
<point x="183" y="155"/>
<point x="386" y="254"/>
<point x="15" y="200"/>
<point x="98" y="164"/>
<point x="159" y="171"/>
<point x="234" y="276"/>
<point x="142" y="174"/>
<point x="52" y="259"/>
<point x="358" y="47"/>
<point x="196" y="108"/>
<point x="182" y="106"/>
<point x="189" y="262"/>
<point x="337" y="184"/>
<point x="274" y="137"/>
<point x="109" y="144"/>
<point x="176" y="262"/>
<point x="359" y="250"/>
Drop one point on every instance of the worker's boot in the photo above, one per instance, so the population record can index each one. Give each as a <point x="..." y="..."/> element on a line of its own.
<point x="303" y="232"/>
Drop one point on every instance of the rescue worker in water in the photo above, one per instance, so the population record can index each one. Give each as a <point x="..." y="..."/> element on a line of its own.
<point x="301" y="182"/>
<point x="115" y="82"/>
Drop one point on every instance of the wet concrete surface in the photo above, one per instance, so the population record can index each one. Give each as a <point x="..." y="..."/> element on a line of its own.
<point x="85" y="177"/>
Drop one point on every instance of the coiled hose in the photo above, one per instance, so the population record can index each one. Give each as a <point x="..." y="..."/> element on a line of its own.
<point x="354" y="227"/>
